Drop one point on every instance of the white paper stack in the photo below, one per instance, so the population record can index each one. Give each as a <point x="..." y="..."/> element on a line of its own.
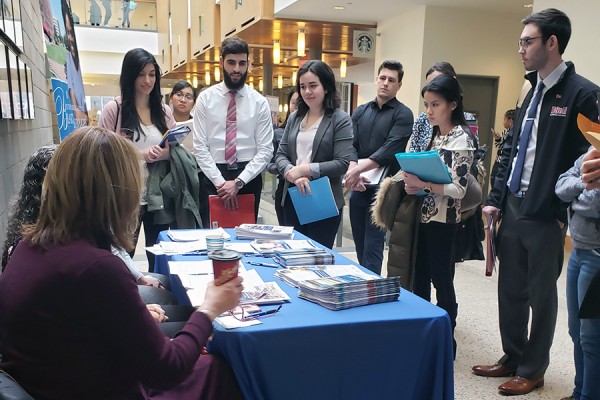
<point x="258" y="231"/>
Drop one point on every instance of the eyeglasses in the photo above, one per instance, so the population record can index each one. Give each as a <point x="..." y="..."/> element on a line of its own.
<point x="181" y="96"/>
<point x="526" y="42"/>
<point x="248" y="313"/>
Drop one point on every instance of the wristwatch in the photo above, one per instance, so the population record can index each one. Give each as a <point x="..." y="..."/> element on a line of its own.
<point x="239" y="183"/>
<point x="427" y="188"/>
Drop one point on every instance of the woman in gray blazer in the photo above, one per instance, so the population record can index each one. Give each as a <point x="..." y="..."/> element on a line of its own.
<point x="317" y="142"/>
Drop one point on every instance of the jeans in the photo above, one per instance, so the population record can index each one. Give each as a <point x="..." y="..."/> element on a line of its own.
<point x="368" y="238"/>
<point x="583" y="264"/>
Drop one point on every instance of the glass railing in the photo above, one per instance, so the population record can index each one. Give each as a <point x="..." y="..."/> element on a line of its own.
<point x="120" y="14"/>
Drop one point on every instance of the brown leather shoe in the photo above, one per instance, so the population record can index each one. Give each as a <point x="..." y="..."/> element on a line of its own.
<point x="520" y="385"/>
<point x="494" y="371"/>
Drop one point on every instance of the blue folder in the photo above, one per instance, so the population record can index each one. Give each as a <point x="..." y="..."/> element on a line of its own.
<point x="427" y="165"/>
<point x="316" y="207"/>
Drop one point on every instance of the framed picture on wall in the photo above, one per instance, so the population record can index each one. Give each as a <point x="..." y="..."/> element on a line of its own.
<point x="30" y="103"/>
<point x="5" y="102"/>
<point x="23" y="91"/>
<point x="15" y="90"/>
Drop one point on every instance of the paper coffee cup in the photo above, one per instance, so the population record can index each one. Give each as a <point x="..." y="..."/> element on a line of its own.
<point x="225" y="265"/>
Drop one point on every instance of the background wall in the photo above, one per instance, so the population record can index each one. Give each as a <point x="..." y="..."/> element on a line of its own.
<point x="20" y="138"/>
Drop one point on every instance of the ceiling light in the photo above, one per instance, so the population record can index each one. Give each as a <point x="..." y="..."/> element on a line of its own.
<point x="343" y="67"/>
<point x="280" y="108"/>
<point x="338" y="7"/>
<point x="285" y="108"/>
<point x="217" y="74"/>
<point x="276" y="52"/>
<point x="301" y="43"/>
<point x="280" y="81"/>
<point x="207" y="78"/>
<point x="294" y="77"/>
<point x="260" y="85"/>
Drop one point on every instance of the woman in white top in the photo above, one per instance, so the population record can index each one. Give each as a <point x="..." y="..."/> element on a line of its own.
<point x="440" y="212"/>
<point x="140" y="115"/>
<point x="317" y="142"/>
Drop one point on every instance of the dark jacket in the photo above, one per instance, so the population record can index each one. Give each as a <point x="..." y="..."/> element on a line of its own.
<point x="332" y="149"/>
<point x="559" y="143"/>
<point x="173" y="190"/>
<point x="400" y="214"/>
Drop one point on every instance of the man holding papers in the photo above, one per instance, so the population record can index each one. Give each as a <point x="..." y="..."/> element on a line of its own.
<point x="233" y="132"/>
<point x="382" y="128"/>
<point x="545" y="142"/>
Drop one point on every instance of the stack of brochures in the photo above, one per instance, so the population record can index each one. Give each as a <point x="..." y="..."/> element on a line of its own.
<point x="258" y="231"/>
<point x="314" y="256"/>
<point x="293" y="275"/>
<point x="347" y="291"/>
<point x="267" y="247"/>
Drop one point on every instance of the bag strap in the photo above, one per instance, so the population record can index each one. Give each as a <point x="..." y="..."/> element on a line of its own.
<point x="118" y="116"/>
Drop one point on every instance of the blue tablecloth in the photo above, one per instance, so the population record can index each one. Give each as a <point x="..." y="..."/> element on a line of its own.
<point x="398" y="350"/>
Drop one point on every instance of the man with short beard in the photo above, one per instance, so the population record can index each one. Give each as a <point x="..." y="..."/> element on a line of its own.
<point x="233" y="132"/>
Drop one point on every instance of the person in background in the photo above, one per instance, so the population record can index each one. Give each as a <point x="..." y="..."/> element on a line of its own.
<point x="140" y="115"/>
<point x="62" y="282"/>
<point x="584" y="264"/>
<point x="499" y="139"/>
<point x="440" y="212"/>
<point x="107" y="4"/>
<point x="292" y="100"/>
<point x="95" y="13"/>
<point x="422" y="129"/>
<point x="126" y="10"/>
<point x="317" y="142"/>
<point x="381" y="128"/>
<point x="233" y="130"/>
<point x="544" y="142"/>
<point x="467" y="242"/>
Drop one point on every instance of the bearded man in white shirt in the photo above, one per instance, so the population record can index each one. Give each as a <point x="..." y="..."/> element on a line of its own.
<point x="233" y="131"/>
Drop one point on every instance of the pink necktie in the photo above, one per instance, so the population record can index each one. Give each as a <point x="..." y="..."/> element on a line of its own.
<point x="231" y="131"/>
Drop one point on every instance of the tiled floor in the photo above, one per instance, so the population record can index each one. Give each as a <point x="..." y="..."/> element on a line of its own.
<point x="477" y="329"/>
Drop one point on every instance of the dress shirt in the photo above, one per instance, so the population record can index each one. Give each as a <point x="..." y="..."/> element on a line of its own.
<point x="549" y="82"/>
<point x="254" y="141"/>
<point x="380" y="133"/>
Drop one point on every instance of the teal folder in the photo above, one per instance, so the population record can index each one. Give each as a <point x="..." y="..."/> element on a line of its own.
<point x="316" y="207"/>
<point x="427" y="165"/>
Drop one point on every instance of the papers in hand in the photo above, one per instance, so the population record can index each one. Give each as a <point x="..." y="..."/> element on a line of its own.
<point x="177" y="134"/>
<point x="427" y="165"/>
<point x="316" y="206"/>
<point x="590" y="129"/>
<point x="373" y="176"/>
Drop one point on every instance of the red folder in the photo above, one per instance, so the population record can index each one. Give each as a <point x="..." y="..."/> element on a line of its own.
<point x="223" y="218"/>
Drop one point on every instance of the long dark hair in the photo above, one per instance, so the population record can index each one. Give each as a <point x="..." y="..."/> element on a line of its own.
<point x="133" y="63"/>
<point x="67" y="14"/>
<point x="448" y="87"/>
<point x="26" y="207"/>
<point x="332" y="98"/>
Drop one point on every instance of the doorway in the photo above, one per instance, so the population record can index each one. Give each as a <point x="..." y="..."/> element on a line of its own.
<point x="480" y="94"/>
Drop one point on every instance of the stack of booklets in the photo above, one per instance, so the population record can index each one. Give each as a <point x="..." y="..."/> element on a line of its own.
<point x="293" y="275"/>
<point x="258" y="231"/>
<point x="347" y="291"/>
<point x="314" y="256"/>
<point x="267" y="247"/>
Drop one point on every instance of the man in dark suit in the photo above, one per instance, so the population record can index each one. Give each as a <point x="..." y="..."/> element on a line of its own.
<point x="381" y="128"/>
<point x="545" y="143"/>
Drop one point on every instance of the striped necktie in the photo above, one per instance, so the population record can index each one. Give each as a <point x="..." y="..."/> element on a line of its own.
<point x="231" y="131"/>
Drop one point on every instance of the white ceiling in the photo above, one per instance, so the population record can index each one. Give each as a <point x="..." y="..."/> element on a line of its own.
<point x="373" y="11"/>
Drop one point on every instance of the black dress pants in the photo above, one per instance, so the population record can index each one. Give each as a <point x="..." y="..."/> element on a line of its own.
<point x="531" y="257"/>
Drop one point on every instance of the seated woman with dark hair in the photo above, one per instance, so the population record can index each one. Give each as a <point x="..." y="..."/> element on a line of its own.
<point x="63" y="291"/>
